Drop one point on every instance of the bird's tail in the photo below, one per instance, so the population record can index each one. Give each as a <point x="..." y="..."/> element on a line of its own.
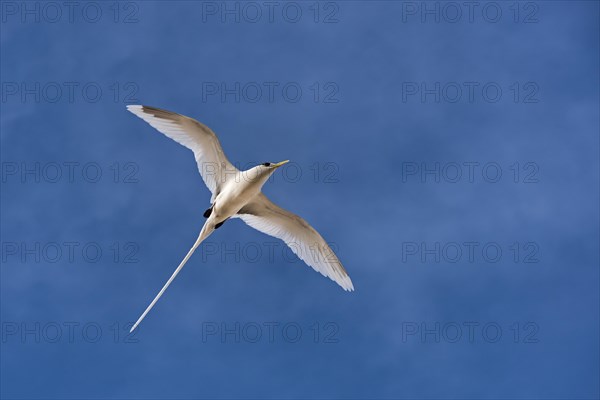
<point x="207" y="229"/>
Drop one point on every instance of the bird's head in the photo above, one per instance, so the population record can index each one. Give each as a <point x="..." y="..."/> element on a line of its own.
<point x="273" y="166"/>
<point x="263" y="171"/>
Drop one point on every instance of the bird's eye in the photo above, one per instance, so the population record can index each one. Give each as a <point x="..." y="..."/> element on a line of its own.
<point x="267" y="164"/>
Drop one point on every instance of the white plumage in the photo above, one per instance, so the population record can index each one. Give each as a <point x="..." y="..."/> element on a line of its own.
<point x="237" y="194"/>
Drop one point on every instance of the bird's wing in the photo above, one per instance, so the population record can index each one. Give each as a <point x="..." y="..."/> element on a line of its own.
<point x="213" y="165"/>
<point x="303" y="239"/>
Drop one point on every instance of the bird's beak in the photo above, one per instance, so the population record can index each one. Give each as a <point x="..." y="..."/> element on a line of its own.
<point x="279" y="164"/>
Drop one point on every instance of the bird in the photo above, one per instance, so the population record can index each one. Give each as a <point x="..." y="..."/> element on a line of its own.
<point x="237" y="194"/>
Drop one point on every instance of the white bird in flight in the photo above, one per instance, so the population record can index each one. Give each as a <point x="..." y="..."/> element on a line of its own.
<point x="237" y="194"/>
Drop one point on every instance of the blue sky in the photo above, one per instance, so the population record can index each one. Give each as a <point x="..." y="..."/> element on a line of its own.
<point x="449" y="153"/>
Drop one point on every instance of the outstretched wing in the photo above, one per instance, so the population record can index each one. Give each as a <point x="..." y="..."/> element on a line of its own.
<point x="303" y="239"/>
<point x="213" y="165"/>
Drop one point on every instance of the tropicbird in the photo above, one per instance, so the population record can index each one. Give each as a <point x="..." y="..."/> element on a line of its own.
<point x="237" y="194"/>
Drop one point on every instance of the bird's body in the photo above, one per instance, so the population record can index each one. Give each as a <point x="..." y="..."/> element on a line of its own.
<point x="237" y="194"/>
